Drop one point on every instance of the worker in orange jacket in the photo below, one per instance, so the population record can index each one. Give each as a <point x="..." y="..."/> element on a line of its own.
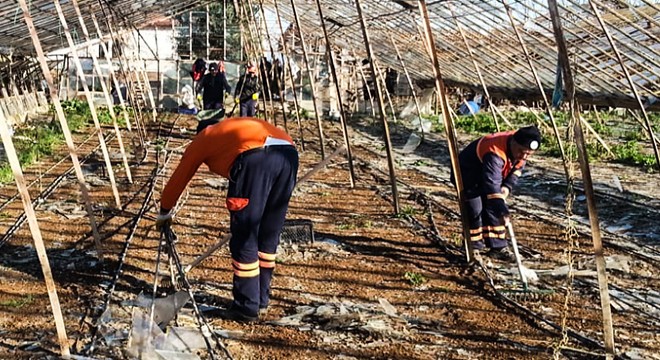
<point x="490" y="168"/>
<point x="261" y="163"/>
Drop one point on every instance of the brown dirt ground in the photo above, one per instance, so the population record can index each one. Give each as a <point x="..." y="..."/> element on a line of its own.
<point x="453" y="314"/>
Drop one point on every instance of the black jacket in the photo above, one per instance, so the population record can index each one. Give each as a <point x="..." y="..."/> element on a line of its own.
<point x="213" y="87"/>
<point x="247" y="85"/>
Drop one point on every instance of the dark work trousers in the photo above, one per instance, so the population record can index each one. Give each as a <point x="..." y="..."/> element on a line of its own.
<point x="260" y="186"/>
<point x="484" y="224"/>
<point x="249" y="108"/>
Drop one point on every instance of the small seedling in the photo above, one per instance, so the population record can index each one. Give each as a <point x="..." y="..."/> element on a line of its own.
<point x="414" y="278"/>
<point x="18" y="303"/>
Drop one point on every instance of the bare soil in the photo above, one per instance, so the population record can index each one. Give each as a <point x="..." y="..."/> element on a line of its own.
<point x="392" y="286"/>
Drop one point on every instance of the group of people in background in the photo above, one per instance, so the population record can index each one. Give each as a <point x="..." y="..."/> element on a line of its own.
<point x="211" y="86"/>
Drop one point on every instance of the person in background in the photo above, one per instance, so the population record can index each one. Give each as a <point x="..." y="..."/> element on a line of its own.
<point x="247" y="91"/>
<point x="213" y="86"/>
<point x="261" y="163"/>
<point x="490" y="168"/>
<point x="469" y="106"/>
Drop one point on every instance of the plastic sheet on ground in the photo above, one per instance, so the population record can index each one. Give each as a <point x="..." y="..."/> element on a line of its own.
<point x="378" y="320"/>
<point x="165" y="309"/>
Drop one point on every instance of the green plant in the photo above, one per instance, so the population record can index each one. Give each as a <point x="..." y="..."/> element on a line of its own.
<point x="631" y="153"/>
<point x="406" y="210"/>
<point x="18" y="303"/>
<point x="414" y="278"/>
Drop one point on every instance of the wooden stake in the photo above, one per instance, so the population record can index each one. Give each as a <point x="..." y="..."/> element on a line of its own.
<point x="312" y="80"/>
<point x="64" y="125"/>
<point x="449" y="128"/>
<point x="335" y="78"/>
<point x="92" y="107"/>
<point x="110" y="103"/>
<point x="36" y="233"/>
<point x="608" y="331"/>
<point x="277" y="78"/>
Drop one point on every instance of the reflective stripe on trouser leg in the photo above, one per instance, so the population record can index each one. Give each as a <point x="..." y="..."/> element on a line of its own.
<point x="474" y="209"/>
<point x="494" y="230"/>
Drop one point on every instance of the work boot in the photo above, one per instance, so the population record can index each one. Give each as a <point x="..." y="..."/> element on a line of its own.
<point x="503" y="254"/>
<point x="233" y="313"/>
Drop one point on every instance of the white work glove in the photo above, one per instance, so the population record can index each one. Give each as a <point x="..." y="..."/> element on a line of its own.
<point x="164" y="220"/>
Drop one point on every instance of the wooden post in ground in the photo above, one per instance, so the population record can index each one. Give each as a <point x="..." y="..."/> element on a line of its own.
<point x="649" y="128"/>
<point x="288" y="62"/>
<point x="335" y="78"/>
<point x="10" y="151"/>
<point x="106" y="93"/>
<point x="608" y="331"/>
<point x="449" y="127"/>
<point x="410" y="84"/>
<point x="54" y="96"/>
<point x="366" y="86"/>
<point x="548" y="107"/>
<point x="90" y="100"/>
<point x="381" y="104"/>
<point x="312" y="80"/>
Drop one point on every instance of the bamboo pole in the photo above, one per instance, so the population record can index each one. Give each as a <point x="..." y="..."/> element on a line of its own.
<point x="92" y="106"/>
<point x="410" y="84"/>
<point x="608" y="331"/>
<point x="449" y="127"/>
<point x="630" y="82"/>
<point x="288" y="62"/>
<point x="261" y="63"/>
<point x="64" y="125"/>
<point x="10" y="151"/>
<point x="312" y="80"/>
<point x="115" y="82"/>
<point x="381" y="104"/>
<point x="147" y="83"/>
<point x="641" y="123"/>
<point x="97" y="68"/>
<point x="383" y="88"/>
<point x="342" y="114"/>
<point x="548" y="108"/>
<point x="208" y="34"/>
<point x="224" y="30"/>
<point x="476" y="68"/>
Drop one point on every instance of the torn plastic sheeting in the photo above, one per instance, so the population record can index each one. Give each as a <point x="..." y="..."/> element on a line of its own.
<point x="165" y="308"/>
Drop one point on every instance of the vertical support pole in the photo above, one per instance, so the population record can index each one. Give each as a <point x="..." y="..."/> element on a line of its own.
<point x="208" y="34"/>
<point x="342" y="114"/>
<point x="630" y="82"/>
<point x="381" y="104"/>
<point x="55" y="98"/>
<point x="410" y="84"/>
<point x="36" y="235"/>
<point x="381" y="79"/>
<point x="548" y="108"/>
<point x="476" y="68"/>
<point x="449" y="127"/>
<point x="90" y="100"/>
<point x="312" y="79"/>
<point x="224" y="30"/>
<point x="608" y="331"/>
<point x="190" y="34"/>
<point x="293" y="83"/>
<point x="366" y="86"/>
<point x="106" y="93"/>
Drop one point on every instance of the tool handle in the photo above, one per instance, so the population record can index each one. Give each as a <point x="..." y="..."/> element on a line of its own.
<point x="514" y="244"/>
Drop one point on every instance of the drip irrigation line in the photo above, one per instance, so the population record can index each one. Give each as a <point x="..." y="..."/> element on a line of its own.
<point x="42" y="197"/>
<point x="15" y="196"/>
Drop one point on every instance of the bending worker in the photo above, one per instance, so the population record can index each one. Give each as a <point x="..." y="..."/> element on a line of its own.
<point x="261" y="164"/>
<point x="490" y="167"/>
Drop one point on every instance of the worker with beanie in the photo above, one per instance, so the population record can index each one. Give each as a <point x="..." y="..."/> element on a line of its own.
<point x="490" y="168"/>
<point x="247" y="91"/>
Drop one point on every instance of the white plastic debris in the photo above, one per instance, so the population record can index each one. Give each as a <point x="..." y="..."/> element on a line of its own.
<point x="413" y="142"/>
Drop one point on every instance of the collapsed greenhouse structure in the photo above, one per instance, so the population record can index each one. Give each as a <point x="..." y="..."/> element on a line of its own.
<point x="373" y="262"/>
